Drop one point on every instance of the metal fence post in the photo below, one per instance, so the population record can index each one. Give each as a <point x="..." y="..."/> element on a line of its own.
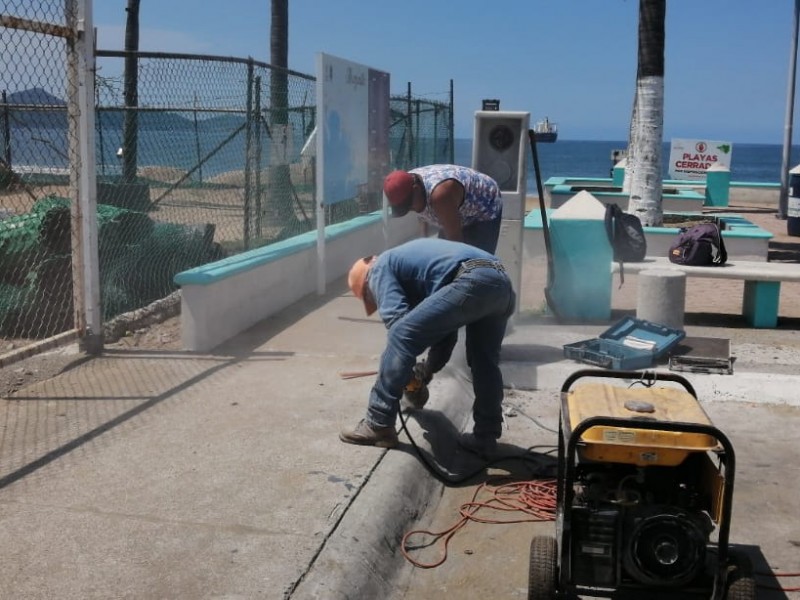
<point x="248" y="152"/>
<point x="257" y="113"/>
<point x="410" y="148"/>
<point x="450" y="126"/>
<point x="86" y="271"/>
<point x="6" y="132"/>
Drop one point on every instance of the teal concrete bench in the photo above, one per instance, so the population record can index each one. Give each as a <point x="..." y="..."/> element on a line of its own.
<point x="251" y="259"/>
<point x="223" y="298"/>
<point x="762" y="283"/>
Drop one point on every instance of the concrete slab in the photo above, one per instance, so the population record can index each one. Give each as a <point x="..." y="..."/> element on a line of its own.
<point x="187" y="475"/>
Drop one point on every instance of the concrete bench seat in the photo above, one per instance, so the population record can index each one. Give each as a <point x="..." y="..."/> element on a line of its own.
<point x="226" y="297"/>
<point x="762" y="282"/>
<point x="743" y="239"/>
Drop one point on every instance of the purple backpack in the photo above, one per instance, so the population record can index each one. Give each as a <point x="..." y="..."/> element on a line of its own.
<point x="699" y="245"/>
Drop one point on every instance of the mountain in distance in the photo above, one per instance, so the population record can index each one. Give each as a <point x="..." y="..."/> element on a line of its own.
<point x="54" y="116"/>
<point x="34" y="96"/>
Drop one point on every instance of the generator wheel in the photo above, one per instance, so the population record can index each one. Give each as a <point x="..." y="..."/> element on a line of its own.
<point x="741" y="582"/>
<point x="542" y="571"/>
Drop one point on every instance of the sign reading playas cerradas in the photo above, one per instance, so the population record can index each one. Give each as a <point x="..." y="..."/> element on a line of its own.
<point x="690" y="159"/>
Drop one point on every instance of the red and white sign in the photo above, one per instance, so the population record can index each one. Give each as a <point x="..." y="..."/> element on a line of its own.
<point x="690" y="159"/>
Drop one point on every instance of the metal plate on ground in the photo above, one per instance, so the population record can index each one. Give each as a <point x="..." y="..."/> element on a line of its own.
<point x="702" y="355"/>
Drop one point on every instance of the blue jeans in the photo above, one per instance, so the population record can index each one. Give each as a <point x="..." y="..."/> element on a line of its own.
<point x="481" y="300"/>
<point x="481" y="234"/>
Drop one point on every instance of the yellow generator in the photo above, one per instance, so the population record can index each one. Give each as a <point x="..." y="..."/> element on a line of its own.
<point x="645" y="485"/>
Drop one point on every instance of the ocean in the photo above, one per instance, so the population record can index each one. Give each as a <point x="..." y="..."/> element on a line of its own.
<point x="754" y="163"/>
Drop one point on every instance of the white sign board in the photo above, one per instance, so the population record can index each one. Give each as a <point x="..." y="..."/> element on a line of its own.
<point x="690" y="159"/>
<point x="352" y="140"/>
<point x="353" y="129"/>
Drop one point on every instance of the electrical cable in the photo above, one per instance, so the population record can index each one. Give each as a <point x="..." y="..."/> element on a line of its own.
<point x="537" y="499"/>
<point x="777" y="587"/>
<point x="526" y="457"/>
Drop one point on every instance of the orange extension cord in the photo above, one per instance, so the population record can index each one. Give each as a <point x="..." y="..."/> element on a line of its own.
<point x="536" y="499"/>
<point x="777" y="587"/>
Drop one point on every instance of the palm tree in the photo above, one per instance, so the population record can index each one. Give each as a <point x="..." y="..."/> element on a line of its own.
<point x="643" y="174"/>
<point x="130" y="133"/>
<point x="280" y="176"/>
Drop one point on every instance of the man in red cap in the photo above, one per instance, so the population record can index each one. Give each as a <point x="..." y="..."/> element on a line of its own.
<point x="424" y="291"/>
<point x="464" y="204"/>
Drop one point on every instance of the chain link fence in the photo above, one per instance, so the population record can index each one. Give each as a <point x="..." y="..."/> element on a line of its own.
<point x="38" y="94"/>
<point x="205" y="163"/>
<point x="421" y="131"/>
<point x="197" y="158"/>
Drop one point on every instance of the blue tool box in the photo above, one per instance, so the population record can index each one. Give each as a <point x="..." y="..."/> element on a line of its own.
<point x="630" y="344"/>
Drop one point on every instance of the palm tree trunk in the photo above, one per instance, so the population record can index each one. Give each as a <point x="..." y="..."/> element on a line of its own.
<point x="130" y="127"/>
<point x="280" y="183"/>
<point x="647" y="127"/>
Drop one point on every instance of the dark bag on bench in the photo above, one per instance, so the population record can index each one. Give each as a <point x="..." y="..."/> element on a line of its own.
<point x="699" y="245"/>
<point x="626" y="235"/>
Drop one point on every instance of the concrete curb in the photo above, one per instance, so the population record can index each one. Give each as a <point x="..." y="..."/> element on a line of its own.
<point x="362" y="555"/>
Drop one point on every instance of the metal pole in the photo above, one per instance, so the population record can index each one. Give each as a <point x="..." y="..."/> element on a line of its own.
<point x="85" y="244"/>
<point x="452" y="127"/>
<point x="783" y="200"/>
<point x="257" y="133"/>
<point x="418" y="151"/>
<point x="248" y="154"/>
<point x="6" y="132"/>
<point x="197" y="141"/>
<point x="409" y="150"/>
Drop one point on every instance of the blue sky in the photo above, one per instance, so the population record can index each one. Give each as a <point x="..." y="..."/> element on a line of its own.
<point x="574" y="61"/>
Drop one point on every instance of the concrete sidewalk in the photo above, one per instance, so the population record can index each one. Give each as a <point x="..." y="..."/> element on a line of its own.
<point x="180" y="475"/>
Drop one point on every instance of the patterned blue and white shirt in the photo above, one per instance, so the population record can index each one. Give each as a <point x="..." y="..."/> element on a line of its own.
<point x="482" y="199"/>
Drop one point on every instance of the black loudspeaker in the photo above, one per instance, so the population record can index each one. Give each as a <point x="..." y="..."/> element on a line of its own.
<point x="499" y="147"/>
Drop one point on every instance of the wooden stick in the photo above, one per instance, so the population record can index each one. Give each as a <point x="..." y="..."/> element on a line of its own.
<point x="355" y="374"/>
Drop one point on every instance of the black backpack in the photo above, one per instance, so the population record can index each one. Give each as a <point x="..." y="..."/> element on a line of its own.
<point x="626" y="235"/>
<point x="699" y="245"/>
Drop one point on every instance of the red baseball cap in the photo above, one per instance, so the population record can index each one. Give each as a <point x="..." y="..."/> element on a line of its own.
<point x="398" y="186"/>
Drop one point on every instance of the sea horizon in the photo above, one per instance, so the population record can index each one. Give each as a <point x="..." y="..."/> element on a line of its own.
<point x="750" y="162"/>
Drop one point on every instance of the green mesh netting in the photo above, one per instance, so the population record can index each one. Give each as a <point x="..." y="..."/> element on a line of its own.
<point x="144" y="271"/>
<point x="138" y="260"/>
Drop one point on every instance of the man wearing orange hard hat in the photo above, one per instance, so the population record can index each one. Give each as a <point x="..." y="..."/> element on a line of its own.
<point x="424" y="291"/>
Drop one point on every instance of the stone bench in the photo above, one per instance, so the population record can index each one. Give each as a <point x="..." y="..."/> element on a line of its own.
<point x="762" y="282"/>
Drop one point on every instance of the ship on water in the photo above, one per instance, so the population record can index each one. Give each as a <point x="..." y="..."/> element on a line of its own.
<point x="545" y="131"/>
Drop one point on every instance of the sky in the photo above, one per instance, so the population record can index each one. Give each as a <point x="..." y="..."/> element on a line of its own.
<point x="727" y="62"/>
